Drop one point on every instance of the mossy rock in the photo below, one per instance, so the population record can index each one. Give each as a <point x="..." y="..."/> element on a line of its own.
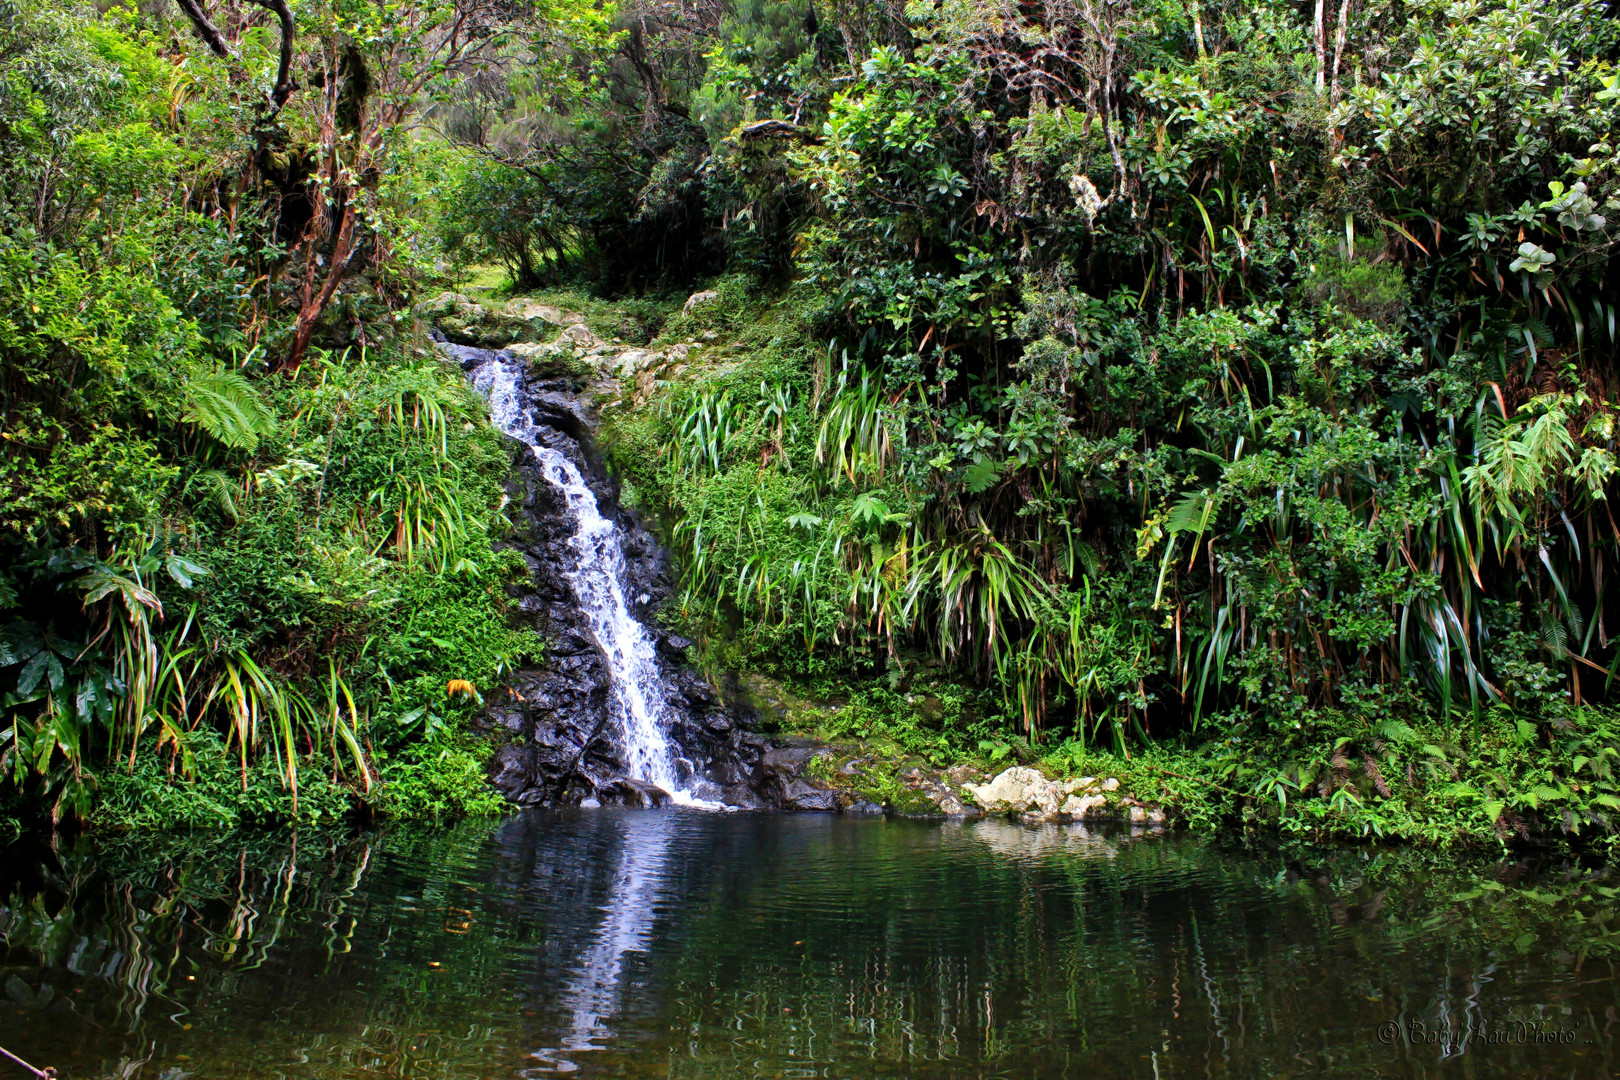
<point x="776" y="705"/>
<point x="912" y="803"/>
<point x="467" y="322"/>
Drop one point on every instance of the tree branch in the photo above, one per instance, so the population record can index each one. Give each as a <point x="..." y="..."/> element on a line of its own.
<point x="285" y="85"/>
<point x="776" y="129"/>
<point x="206" y="29"/>
<point x="210" y="35"/>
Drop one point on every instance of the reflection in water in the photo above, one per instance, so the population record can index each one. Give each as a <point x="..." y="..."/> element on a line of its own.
<point x="1039" y="841"/>
<point x="591" y="994"/>
<point x="712" y="947"/>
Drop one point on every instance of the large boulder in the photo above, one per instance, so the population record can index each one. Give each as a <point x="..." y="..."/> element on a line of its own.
<point x="803" y="795"/>
<point x="631" y="362"/>
<point x="1029" y="793"/>
<point x="532" y="311"/>
<point x="575" y="348"/>
<point x="464" y="321"/>
<point x="783" y="776"/>
<point x="699" y="299"/>
<point x="1017" y="790"/>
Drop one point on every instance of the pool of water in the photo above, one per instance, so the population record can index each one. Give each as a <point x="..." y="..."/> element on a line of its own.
<point x="679" y="944"/>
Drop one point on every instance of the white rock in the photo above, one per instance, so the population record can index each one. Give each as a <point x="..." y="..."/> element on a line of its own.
<point x="630" y="361"/>
<point x="1047" y="799"/>
<point x="1078" y="807"/>
<point x="1022" y="790"/>
<point x="579" y="334"/>
<point x="530" y="351"/>
<point x="532" y="311"/>
<point x="1111" y="784"/>
<point x="698" y="299"/>
<point x="1015" y="789"/>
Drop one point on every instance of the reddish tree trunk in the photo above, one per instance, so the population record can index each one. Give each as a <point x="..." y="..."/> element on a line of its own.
<point x="314" y="302"/>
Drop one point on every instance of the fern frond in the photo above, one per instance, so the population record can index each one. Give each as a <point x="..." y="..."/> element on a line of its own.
<point x="225" y="404"/>
<point x="219" y="488"/>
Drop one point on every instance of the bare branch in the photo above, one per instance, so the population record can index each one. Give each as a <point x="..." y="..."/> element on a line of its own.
<point x="206" y="29"/>
<point x="285" y="85"/>
<point x="211" y="36"/>
<point x="776" y="129"/>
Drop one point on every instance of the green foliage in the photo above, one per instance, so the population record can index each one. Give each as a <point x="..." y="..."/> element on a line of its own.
<point x="221" y="585"/>
<point x="153" y="794"/>
<point x="225" y="405"/>
<point x="336" y="584"/>
<point x="1384" y="769"/>
<point x="1359" y="289"/>
<point x="1167" y="386"/>
<point x="493" y="213"/>
<point x="938" y="722"/>
<point x="437" y="778"/>
<point x="1145" y="406"/>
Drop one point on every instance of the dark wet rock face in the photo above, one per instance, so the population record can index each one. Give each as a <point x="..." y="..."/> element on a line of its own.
<point x="563" y="742"/>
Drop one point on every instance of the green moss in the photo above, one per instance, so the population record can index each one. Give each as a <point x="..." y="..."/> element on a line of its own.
<point x="779" y="706"/>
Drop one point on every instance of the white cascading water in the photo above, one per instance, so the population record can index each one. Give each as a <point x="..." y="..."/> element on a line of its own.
<point x="639" y="692"/>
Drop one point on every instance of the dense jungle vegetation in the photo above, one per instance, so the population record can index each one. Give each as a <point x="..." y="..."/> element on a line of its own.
<point x="1229" y="388"/>
<point x="246" y="517"/>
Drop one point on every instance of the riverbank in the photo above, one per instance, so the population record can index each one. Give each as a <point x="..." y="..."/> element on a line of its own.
<point x="1495" y="788"/>
<point x="917" y="738"/>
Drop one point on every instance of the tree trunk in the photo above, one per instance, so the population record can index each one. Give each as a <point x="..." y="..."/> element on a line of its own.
<point x="1321" y="45"/>
<point x="314" y="303"/>
<point x="1338" y="44"/>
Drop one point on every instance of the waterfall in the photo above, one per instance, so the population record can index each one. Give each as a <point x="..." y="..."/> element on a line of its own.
<point x="638" y="691"/>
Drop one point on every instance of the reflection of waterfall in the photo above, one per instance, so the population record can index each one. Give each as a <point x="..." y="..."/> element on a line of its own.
<point x="598" y="578"/>
<point x="591" y="994"/>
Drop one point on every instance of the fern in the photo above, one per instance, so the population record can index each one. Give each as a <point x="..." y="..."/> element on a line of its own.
<point x="224" y="404"/>
<point x="219" y="488"/>
<point x="1193" y="512"/>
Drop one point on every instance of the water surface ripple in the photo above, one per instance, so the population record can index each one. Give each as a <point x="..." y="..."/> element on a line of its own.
<point x="678" y="944"/>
